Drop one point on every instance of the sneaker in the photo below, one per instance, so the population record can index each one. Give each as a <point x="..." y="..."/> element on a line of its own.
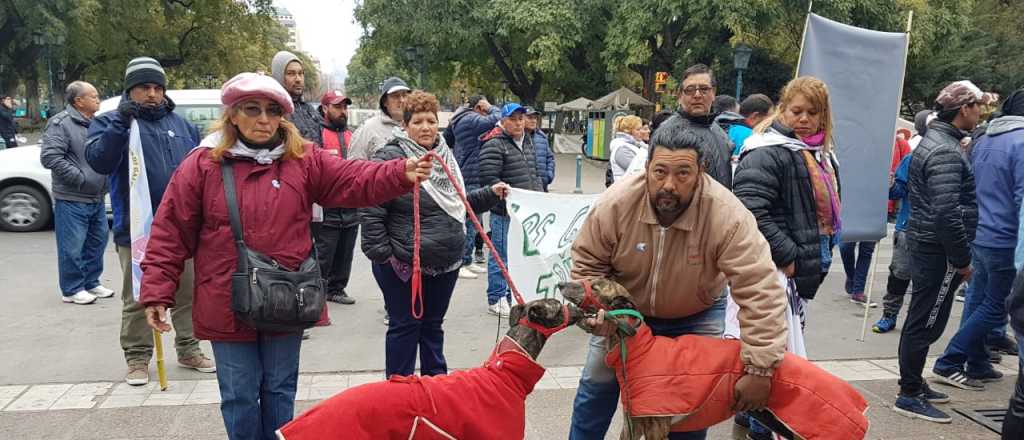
<point x="1005" y="346"/>
<point x="199" y="363"/>
<point x="80" y="298"/>
<point x="466" y="273"/>
<point x="991" y="375"/>
<point x="859" y="298"/>
<point x="994" y="357"/>
<point x="101" y="292"/>
<point x="478" y="257"/>
<point x="933" y="396"/>
<point x="884" y="325"/>
<point x="341" y="298"/>
<point x="958" y="379"/>
<point x="138" y="375"/>
<point x="499" y="308"/>
<point x="918" y="407"/>
<point x="478" y="268"/>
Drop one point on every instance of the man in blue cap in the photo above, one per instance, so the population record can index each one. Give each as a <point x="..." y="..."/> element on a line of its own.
<point x="507" y="155"/>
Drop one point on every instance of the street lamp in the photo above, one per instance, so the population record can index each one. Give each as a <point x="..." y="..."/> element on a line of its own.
<point x="414" y="54"/>
<point x="741" y="60"/>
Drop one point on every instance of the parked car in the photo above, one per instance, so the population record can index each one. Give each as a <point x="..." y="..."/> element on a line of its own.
<point x="26" y="198"/>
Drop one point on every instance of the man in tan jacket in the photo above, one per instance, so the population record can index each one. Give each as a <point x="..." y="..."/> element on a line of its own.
<point x="675" y="238"/>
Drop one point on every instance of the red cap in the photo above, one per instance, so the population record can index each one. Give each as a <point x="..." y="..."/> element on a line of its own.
<point x="334" y="97"/>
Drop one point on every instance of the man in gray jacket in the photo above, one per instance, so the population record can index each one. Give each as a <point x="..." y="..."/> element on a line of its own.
<point x="80" y="216"/>
<point x="376" y="131"/>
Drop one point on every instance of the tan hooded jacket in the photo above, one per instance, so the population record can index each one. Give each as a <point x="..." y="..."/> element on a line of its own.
<point x="681" y="270"/>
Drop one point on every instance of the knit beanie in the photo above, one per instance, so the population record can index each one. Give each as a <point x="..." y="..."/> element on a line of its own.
<point x="144" y="70"/>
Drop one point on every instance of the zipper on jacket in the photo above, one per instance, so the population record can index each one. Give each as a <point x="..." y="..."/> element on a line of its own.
<point x="657" y="269"/>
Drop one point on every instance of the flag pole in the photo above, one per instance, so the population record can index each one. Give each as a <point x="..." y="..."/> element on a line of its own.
<point x="803" y="39"/>
<point x="161" y="371"/>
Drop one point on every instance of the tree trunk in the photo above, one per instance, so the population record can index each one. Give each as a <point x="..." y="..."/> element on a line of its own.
<point x="32" y="98"/>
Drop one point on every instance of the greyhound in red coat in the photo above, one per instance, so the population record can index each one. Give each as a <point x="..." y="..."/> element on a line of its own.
<point x="687" y="383"/>
<point x="447" y="406"/>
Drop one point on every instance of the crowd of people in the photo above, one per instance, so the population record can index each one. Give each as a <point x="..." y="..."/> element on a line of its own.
<point x="749" y="191"/>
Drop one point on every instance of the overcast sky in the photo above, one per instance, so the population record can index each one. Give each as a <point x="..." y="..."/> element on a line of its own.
<point x="327" y="30"/>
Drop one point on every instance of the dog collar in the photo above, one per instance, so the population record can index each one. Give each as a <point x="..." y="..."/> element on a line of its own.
<point x="546" y="331"/>
<point x="588" y="297"/>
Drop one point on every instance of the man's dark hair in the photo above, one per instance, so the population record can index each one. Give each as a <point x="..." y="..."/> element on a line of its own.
<point x="659" y="118"/>
<point x="675" y="136"/>
<point x="946" y="115"/>
<point x="723" y="103"/>
<point x="474" y="100"/>
<point x="698" y="69"/>
<point x="756" y="103"/>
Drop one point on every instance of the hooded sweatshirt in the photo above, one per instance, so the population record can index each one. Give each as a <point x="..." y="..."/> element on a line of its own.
<point x="998" y="162"/>
<point x="305" y="117"/>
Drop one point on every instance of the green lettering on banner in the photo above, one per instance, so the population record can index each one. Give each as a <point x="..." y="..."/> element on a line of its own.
<point x="534" y="230"/>
<point x="574" y="228"/>
<point x="561" y="271"/>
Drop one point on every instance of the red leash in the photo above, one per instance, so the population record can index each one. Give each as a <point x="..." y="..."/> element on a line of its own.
<point x="417" y="273"/>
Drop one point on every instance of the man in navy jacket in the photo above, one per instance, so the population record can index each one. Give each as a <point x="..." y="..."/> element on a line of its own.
<point x="166" y="139"/>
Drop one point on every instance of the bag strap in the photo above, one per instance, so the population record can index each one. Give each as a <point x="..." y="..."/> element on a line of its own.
<point x="227" y="171"/>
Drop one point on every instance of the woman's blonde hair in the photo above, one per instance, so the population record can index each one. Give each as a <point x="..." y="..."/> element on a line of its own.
<point x="815" y="91"/>
<point x="294" y="144"/>
<point x="628" y="124"/>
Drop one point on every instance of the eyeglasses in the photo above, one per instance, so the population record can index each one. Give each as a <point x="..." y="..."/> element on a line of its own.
<point x="254" y="111"/>
<point x="692" y="90"/>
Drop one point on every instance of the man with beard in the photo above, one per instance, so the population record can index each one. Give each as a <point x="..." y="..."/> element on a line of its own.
<point x="336" y="234"/>
<point x="696" y="96"/>
<point x="674" y="238"/>
<point x="287" y="69"/>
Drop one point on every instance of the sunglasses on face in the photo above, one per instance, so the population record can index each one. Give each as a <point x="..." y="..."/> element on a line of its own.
<point x="254" y="111"/>
<point x="692" y="90"/>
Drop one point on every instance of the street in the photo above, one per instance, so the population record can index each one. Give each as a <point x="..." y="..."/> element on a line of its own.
<point x="61" y="367"/>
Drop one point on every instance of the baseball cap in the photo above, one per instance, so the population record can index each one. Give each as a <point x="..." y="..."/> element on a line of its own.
<point x="334" y="97"/>
<point x="961" y="93"/>
<point x="530" y="111"/>
<point x="510" y="108"/>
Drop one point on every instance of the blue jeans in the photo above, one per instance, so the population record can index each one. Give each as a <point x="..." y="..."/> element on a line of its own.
<point x="993" y="277"/>
<point x="598" y="394"/>
<point x="257" y="384"/>
<point x="406" y="333"/>
<point x="467" y="256"/>
<point x="81" y="230"/>
<point x="971" y="302"/>
<point x="856" y="266"/>
<point x="497" y="288"/>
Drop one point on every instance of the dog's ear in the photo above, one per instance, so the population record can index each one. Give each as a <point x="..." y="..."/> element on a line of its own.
<point x="516" y="314"/>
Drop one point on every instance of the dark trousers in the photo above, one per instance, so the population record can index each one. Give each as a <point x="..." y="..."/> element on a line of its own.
<point x="856" y="264"/>
<point x="335" y="247"/>
<point x="405" y="333"/>
<point x="1013" y="424"/>
<point x="935" y="283"/>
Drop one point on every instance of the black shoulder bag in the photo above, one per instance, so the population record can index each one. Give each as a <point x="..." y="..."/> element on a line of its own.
<point x="265" y="295"/>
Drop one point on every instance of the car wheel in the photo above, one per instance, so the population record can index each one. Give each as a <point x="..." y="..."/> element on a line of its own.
<point x="24" y="209"/>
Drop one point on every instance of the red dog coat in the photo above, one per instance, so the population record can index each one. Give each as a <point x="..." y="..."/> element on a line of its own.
<point x="695" y="376"/>
<point x="430" y="407"/>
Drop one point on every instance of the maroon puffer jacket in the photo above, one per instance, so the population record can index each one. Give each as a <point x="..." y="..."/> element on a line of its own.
<point x="275" y="202"/>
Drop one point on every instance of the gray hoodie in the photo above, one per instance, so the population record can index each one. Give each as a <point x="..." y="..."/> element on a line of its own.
<point x="306" y="118"/>
<point x="63" y="153"/>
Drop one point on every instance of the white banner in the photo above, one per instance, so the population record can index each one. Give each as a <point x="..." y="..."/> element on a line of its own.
<point x="540" y="238"/>
<point x="140" y="205"/>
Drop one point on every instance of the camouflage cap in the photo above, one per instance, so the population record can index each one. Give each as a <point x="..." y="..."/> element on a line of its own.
<point x="961" y="93"/>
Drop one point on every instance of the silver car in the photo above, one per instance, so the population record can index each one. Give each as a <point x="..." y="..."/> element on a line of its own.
<point x="26" y="197"/>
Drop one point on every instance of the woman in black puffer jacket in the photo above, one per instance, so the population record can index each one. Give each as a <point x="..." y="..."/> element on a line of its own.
<point x="387" y="240"/>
